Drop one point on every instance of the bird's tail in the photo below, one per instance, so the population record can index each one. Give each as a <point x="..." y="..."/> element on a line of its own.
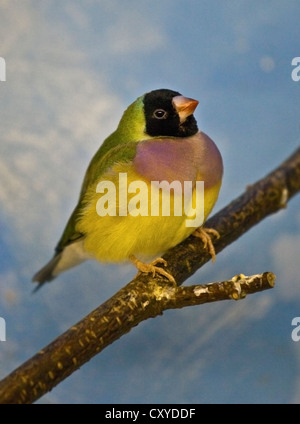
<point x="71" y="255"/>
<point x="46" y="274"/>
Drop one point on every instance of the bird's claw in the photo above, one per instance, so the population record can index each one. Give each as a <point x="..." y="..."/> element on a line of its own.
<point x="205" y="235"/>
<point x="152" y="268"/>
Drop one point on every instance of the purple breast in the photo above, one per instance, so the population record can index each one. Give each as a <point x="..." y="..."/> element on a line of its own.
<point x="180" y="159"/>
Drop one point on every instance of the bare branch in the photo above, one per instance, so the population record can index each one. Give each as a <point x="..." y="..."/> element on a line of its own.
<point x="134" y="303"/>
<point x="237" y="288"/>
<point x="145" y="297"/>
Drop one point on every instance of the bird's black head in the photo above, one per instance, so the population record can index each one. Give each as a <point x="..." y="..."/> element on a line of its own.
<point x="168" y="113"/>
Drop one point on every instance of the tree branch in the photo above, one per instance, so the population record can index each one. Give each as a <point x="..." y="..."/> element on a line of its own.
<point x="237" y="288"/>
<point x="146" y="297"/>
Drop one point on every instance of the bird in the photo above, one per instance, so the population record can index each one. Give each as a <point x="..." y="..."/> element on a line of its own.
<point x="120" y="216"/>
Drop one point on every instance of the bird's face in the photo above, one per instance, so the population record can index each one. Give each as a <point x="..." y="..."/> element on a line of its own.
<point x="169" y="114"/>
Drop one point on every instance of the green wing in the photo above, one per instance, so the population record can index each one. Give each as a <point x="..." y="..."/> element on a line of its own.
<point x="103" y="160"/>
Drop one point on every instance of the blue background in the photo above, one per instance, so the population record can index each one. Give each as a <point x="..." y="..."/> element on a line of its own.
<point x="72" y="69"/>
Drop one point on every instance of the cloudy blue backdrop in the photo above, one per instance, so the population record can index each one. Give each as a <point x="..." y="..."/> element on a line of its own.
<point x="72" y="68"/>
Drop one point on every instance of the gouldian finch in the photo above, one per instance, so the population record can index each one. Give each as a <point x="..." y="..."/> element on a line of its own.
<point x="156" y="153"/>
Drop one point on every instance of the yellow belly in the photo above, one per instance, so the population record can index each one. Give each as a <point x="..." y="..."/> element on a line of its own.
<point x="114" y="238"/>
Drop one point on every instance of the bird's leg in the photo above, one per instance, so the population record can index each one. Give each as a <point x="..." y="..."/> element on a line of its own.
<point x="205" y="235"/>
<point x="152" y="268"/>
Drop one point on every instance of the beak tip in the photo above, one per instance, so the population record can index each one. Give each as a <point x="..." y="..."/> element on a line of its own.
<point x="184" y="106"/>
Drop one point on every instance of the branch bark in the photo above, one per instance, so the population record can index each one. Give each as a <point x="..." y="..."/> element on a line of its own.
<point x="146" y="297"/>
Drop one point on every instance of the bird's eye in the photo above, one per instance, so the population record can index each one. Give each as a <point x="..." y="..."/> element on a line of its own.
<point x="160" y="114"/>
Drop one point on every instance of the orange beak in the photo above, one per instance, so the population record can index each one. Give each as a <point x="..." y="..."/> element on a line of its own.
<point x="184" y="106"/>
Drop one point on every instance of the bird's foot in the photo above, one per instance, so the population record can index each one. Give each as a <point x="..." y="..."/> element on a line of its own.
<point x="205" y="235"/>
<point x="152" y="268"/>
